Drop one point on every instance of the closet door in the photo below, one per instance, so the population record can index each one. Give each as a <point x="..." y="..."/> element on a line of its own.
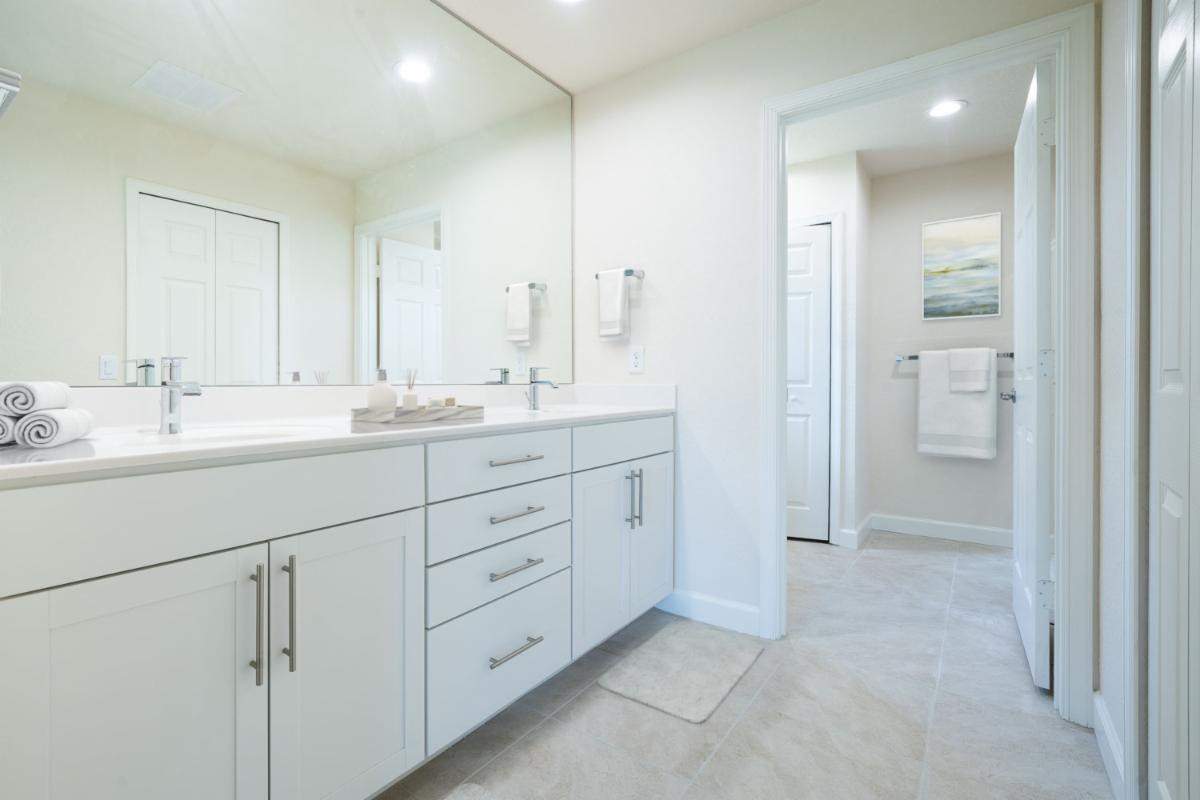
<point x="347" y="658"/>
<point x="652" y="541"/>
<point x="603" y="518"/>
<point x="1174" y="704"/>
<point x="138" y="686"/>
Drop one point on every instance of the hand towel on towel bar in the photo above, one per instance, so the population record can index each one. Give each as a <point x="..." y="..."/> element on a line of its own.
<point x="518" y="318"/>
<point x="972" y="369"/>
<point x="17" y="399"/>
<point x="53" y="427"/>
<point x="612" y="291"/>
<point x="8" y="429"/>
<point x="953" y="423"/>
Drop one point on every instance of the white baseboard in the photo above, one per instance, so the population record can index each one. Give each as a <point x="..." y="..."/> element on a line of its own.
<point x="740" y="617"/>
<point x="852" y="538"/>
<point x="1111" y="751"/>
<point x="937" y="529"/>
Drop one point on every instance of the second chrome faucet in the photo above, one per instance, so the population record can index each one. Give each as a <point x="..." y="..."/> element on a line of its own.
<point x="535" y="383"/>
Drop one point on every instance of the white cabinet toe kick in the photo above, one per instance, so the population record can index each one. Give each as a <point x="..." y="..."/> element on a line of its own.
<point x="315" y="626"/>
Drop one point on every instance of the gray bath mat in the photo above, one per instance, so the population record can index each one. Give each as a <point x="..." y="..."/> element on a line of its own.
<point x="686" y="669"/>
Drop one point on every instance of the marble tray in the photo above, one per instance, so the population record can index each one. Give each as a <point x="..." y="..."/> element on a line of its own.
<point x="401" y="416"/>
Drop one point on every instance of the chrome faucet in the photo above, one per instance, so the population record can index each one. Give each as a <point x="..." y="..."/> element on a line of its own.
<point x="535" y="402"/>
<point x="504" y="373"/>
<point x="174" y="389"/>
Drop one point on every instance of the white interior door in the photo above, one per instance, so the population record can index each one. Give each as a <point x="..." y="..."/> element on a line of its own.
<point x="1173" y="639"/>
<point x="809" y="265"/>
<point x="1033" y="454"/>
<point x="174" y="288"/>
<point x="410" y="310"/>
<point x="247" y="300"/>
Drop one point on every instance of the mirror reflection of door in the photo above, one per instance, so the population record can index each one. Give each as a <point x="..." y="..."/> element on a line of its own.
<point x="410" y="303"/>
<point x="206" y="289"/>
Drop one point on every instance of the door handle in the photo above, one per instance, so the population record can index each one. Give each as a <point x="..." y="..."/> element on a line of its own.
<point x="290" y="650"/>
<point x="259" y="576"/>
<point x="641" y="480"/>
<point x="1009" y="396"/>
<point x="632" y="518"/>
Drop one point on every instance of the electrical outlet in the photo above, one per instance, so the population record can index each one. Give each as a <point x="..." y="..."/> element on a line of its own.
<point x="108" y="368"/>
<point x="522" y="365"/>
<point x="637" y="360"/>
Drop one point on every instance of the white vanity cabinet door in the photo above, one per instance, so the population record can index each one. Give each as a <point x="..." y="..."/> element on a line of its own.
<point x="600" y="539"/>
<point x="137" y="686"/>
<point x="348" y="712"/>
<point x="652" y="542"/>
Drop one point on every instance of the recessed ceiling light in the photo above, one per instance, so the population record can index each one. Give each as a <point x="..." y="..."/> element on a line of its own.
<point x="414" y="70"/>
<point x="947" y="108"/>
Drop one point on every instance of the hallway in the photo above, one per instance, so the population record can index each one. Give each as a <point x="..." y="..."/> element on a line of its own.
<point x="901" y="677"/>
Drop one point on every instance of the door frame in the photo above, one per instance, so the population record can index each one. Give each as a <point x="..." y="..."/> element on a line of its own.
<point x="837" y="276"/>
<point x="135" y="187"/>
<point x="1068" y="38"/>
<point x="365" y="312"/>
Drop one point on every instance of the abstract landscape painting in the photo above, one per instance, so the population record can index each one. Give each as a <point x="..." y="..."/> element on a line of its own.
<point x="961" y="267"/>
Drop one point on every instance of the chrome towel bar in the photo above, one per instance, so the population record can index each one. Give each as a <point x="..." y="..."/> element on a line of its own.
<point x="916" y="357"/>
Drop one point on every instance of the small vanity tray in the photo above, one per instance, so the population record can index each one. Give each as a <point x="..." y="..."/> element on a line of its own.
<point x="418" y="415"/>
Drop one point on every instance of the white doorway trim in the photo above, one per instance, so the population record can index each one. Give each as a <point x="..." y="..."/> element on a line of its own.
<point x="135" y="187"/>
<point x="365" y="313"/>
<point x="1069" y="39"/>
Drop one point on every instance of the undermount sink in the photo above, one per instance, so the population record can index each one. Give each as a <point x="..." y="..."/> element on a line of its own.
<point x="234" y="434"/>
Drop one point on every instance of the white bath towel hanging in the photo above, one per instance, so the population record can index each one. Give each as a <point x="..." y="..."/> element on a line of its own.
<point x="950" y="423"/>
<point x="53" y="427"/>
<point x="612" y="290"/>
<point x="519" y="314"/>
<point x="18" y="398"/>
<point x="972" y="369"/>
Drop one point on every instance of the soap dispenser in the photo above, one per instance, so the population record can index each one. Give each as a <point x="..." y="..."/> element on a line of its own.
<point x="381" y="396"/>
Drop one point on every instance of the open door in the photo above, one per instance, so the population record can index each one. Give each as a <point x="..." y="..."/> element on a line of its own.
<point x="1033" y="422"/>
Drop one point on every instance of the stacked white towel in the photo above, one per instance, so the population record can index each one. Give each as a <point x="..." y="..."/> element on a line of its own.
<point x="613" y="302"/>
<point x="18" y="399"/>
<point x="35" y="414"/>
<point x="53" y="426"/>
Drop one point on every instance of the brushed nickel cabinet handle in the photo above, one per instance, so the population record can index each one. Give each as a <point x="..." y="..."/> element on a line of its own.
<point x="641" y="479"/>
<point x="530" y="641"/>
<point x="518" y="460"/>
<point x="290" y="650"/>
<point x="529" y="562"/>
<point x="632" y="518"/>
<point x="259" y="576"/>
<point x="516" y="515"/>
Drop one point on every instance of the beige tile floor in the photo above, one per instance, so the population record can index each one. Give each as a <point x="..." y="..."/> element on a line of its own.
<point x="901" y="677"/>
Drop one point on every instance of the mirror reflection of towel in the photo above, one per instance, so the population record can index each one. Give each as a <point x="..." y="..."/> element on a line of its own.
<point x="518" y="318"/>
<point x="613" y="302"/>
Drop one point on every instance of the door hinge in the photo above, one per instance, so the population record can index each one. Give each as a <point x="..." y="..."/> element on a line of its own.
<point x="1046" y="363"/>
<point x="1045" y="592"/>
<point x="1046" y="132"/>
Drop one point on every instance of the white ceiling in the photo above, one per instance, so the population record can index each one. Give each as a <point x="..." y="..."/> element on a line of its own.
<point x="582" y="44"/>
<point x="317" y="79"/>
<point x="898" y="135"/>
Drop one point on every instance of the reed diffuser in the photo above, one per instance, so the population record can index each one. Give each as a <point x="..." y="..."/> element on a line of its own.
<point x="409" y="402"/>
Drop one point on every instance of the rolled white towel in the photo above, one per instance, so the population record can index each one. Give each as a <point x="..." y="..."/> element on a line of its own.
<point x="8" y="430"/>
<point x="18" y="399"/>
<point x="53" y="427"/>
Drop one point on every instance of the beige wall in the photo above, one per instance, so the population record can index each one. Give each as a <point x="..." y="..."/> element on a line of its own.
<point x="505" y="199"/>
<point x="901" y="481"/>
<point x="64" y="160"/>
<point x="669" y="177"/>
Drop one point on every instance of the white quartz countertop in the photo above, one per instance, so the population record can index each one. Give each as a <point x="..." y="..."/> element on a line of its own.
<point x="109" y="452"/>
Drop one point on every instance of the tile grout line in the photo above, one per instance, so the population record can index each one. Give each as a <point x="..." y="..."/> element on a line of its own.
<point x="923" y="784"/>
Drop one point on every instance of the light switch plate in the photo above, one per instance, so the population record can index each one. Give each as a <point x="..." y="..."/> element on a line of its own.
<point x="522" y="367"/>
<point x="637" y="360"/>
<point x="108" y="368"/>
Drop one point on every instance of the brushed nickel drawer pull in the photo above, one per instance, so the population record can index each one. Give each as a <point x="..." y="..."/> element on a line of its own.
<point x="633" y="517"/>
<point x="519" y="460"/>
<point x="259" y="576"/>
<point x="529" y="562"/>
<point x="530" y="641"/>
<point x="641" y="479"/>
<point x="290" y="650"/>
<point x="516" y="515"/>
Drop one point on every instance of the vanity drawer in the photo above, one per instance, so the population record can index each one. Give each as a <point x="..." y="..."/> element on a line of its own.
<point x="468" y="466"/>
<point x="613" y="442"/>
<point x="473" y="523"/>
<point x="458" y="586"/>
<point x="527" y="632"/>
